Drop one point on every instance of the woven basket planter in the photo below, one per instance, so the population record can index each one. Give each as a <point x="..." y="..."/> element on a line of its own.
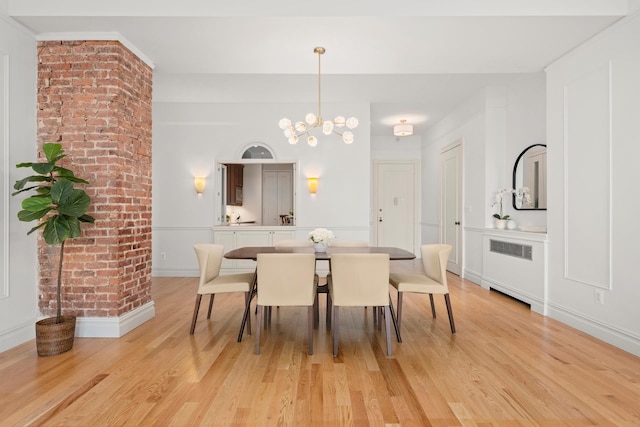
<point x="55" y="338"/>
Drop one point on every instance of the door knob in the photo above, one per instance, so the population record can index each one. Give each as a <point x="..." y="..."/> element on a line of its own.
<point x="380" y="219"/>
<point x="457" y="223"/>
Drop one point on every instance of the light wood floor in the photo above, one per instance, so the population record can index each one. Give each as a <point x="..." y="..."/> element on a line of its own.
<point x="505" y="366"/>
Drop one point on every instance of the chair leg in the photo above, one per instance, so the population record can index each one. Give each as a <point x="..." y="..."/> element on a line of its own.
<point x="336" y="330"/>
<point x="258" y="321"/>
<point x="448" y="301"/>
<point x="210" y="306"/>
<point x="310" y="323"/>
<point x="375" y="315"/>
<point x="379" y="310"/>
<point x="247" y="300"/>
<point x="387" y="325"/>
<point x="399" y="309"/>
<point x="328" y="314"/>
<point x="195" y="314"/>
<point x="433" y="307"/>
<point x="316" y="312"/>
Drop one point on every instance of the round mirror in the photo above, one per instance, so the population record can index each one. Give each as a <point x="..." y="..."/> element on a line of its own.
<point x="530" y="179"/>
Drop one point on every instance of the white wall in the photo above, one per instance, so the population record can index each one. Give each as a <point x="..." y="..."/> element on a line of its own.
<point x="593" y="111"/>
<point x="188" y="138"/>
<point x="18" y="272"/>
<point x="495" y="126"/>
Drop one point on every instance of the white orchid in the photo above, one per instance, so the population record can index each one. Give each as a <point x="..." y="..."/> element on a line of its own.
<point x="498" y="201"/>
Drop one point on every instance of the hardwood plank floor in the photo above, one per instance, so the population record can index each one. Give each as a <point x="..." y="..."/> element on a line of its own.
<point x="505" y="366"/>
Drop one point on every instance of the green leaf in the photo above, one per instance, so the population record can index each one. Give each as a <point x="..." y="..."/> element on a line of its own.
<point x="63" y="172"/>
<point x="28" y="216"/>
<point x="33" y="178"/>
<point x="506" y="217"/>
<point x="42" y="224"/>
<point x="24" y="165"/>
<point x="43" y="168"/>
<point x="36" y="203"/>
<point x="52" y="150"/>
<point x="61" y="191"/>
<point x="74" y="226"/>
<point x="87" y="218"/>
<point x="496" y="216"/>
<point x="75" y="205"/>
<point x="56" y="230"/>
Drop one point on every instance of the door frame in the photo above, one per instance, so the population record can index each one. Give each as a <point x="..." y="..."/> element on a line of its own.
<point x="416" y="198"/>
<point x="458" y="143"/>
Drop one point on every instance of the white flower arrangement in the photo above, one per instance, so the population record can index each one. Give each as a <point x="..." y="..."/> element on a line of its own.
<point x="498" y="201"/>
<point x="522" y="196"/>
<point x="321" y="235"/>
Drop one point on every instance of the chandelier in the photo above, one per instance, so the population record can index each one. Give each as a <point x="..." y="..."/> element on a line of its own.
<point x="293" y="131"/>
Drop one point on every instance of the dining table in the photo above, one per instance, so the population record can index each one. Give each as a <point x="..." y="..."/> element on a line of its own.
<point x="251" y="253"/>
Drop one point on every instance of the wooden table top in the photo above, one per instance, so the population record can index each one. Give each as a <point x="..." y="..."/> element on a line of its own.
<point x="251" y="252"/>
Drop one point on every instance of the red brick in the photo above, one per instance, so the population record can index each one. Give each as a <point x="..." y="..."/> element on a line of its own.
<point x="94" y="97"/>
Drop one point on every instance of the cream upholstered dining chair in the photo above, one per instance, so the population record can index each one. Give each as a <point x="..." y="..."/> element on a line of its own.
<point x="359" y="280"/>
<point x="336" y="244"/>
<point x="211" y="282"/>
<point x="433" y="280"/>
<point x="293" y="243"/>
<point x="286" y="279"/>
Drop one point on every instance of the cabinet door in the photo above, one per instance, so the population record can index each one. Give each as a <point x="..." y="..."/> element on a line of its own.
<point x="235" y="178"/>
<point x="251" y="238"/>
<point x="228" y="239"/>
<point x="277" y="236"/>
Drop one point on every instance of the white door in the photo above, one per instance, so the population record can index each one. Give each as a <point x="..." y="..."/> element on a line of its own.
<point x="451" y="216"/>
<point x="277" y="196"/>
<point x="395" y="204"/>
<point x="270" y="208"/>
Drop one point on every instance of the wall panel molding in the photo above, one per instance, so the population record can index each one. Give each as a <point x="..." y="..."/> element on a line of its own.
<point x="4" y="178"/>
<point x="587" y="177"/>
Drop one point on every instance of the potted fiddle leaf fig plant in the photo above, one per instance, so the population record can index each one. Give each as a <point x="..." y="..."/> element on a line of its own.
<point x="59" y="208"/>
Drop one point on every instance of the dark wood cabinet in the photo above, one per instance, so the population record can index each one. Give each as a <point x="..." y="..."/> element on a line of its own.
<point x="234" y="184"/>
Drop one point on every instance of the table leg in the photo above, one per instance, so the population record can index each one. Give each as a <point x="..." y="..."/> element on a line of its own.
<point x="395" y="321"/>
<point x="245" y="317"/>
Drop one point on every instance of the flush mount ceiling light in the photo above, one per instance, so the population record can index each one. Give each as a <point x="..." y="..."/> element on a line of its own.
<point x="293" y="131"/>
<point x="403" y="129"/>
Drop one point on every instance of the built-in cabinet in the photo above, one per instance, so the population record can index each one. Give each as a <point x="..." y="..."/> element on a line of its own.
<point x="235" y="175"/>
<point x="233" y="237"/>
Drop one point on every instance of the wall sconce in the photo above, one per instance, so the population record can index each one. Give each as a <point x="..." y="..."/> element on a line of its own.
<point x="313" y="185"/>
<point x="199" y="182"/>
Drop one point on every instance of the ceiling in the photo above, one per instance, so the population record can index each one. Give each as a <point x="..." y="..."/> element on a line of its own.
<point x="414" y="59"/>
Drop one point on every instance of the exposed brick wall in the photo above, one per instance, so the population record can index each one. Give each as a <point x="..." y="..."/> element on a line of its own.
<point x="94" y="97"/>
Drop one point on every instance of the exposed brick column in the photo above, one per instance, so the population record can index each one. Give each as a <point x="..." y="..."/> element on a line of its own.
<point x="94" y="97"/>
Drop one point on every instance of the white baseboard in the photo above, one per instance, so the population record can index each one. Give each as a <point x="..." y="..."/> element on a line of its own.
<point x="18" y="335"/>
<point x="472" y="276"/>
<point x="167" y="272"/>
<point x="114" y="327"/>
<point x="617" y="337"/>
